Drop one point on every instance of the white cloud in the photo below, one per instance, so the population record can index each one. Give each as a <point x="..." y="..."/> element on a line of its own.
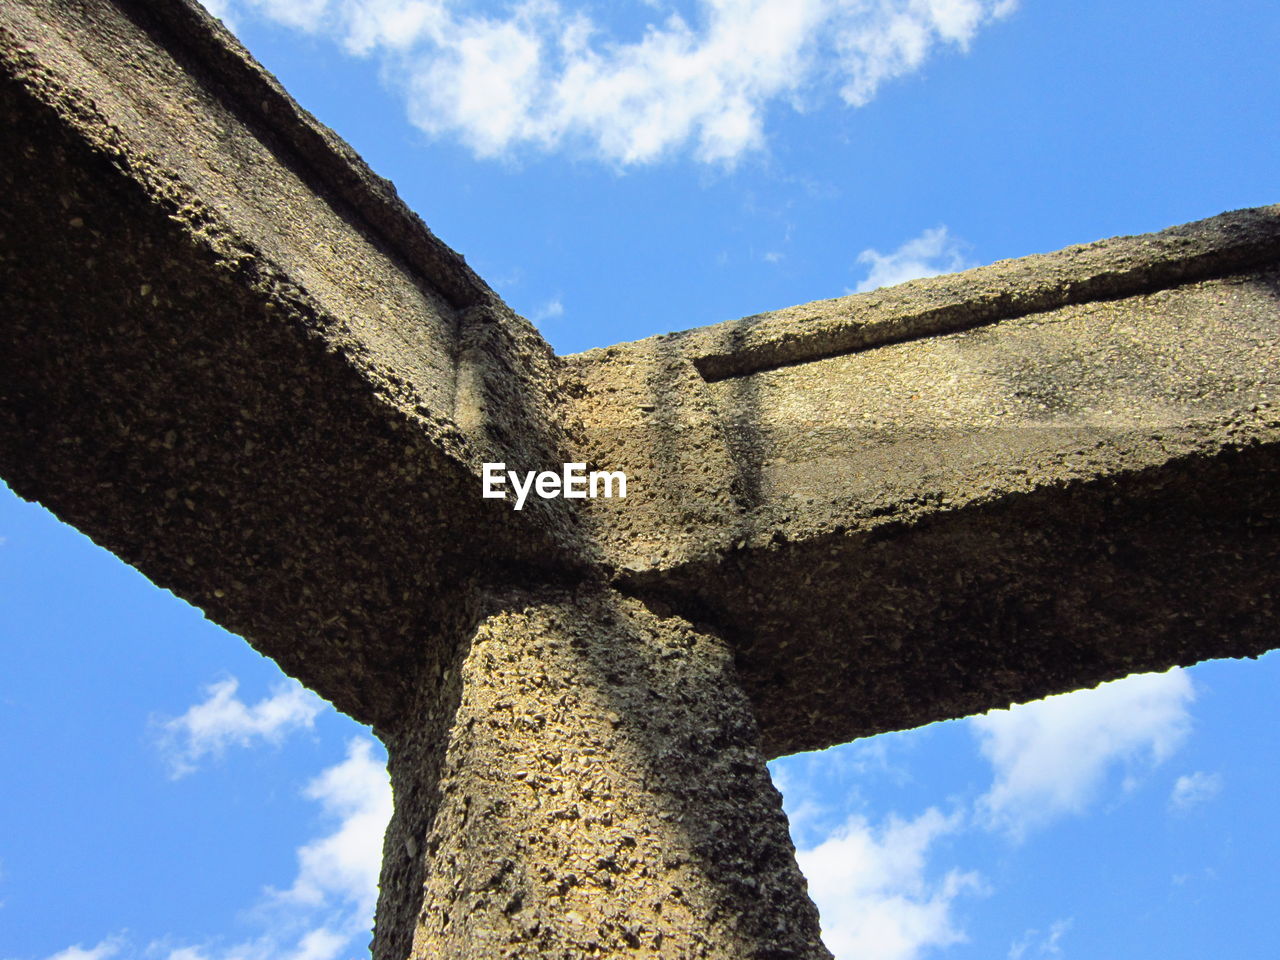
<point x="1193" y="789"/>
<point x="300" y="14"/>
<point x="935" y="251"/>
<point x="545" y="75"/>
<point x="873" y="891"/>
<point x="550" y="310"/>
<point x="1032" y="946"/>
<point x="808" y="816"/>
<point x="882" y="893"/>
<point x="109" y="947"/>
<point x="222" y="10"/>
<point x="223" y="720"/>
<point x="1051" y="757"/>
<point x="343" y="866"/>
<point x="886" y="39"/>
<point x="820" y="790"/>
<point x="327" y="912"/>
<point x="318" y="944"/>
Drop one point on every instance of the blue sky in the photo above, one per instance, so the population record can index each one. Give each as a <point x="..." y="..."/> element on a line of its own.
<point x="622" y="169"/>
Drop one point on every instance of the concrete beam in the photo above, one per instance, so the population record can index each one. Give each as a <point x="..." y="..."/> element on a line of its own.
<point x="976" y="503"/>
<point x="234" y="358"/>
<point x="268" y="386"/>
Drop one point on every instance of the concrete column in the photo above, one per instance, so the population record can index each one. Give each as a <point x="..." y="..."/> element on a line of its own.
<point x="585" y="780"/>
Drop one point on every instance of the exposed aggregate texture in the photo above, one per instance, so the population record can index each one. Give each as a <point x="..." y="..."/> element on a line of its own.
<point x="598" y="791"/>
<point x="236" y="359"/>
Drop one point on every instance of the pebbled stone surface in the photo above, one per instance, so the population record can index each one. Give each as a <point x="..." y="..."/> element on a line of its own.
<point x="234" y="357"/>
<point x="598" y="791"/>
<point x="220" y="370"/>
<point x="924" y="526"/>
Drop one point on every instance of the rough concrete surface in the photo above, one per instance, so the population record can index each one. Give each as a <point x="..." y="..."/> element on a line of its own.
<point x="232" y="356"/>
<point x="597" y="791"/>
<point x="220" y="371"/>
<point x="849" y="519"/>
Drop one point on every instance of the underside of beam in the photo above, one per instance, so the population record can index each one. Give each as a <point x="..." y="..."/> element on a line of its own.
<point x="227" y="364"/>
<point x="969" y="609"/>
<point x="954" y="514"/>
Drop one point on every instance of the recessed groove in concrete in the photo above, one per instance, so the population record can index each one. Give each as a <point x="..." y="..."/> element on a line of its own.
<point x="1107" y="270"/>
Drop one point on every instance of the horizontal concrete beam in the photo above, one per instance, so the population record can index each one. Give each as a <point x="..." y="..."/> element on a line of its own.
<point x="236" y="360"/>
<point x="978" y="607"/>
<point x="940" y="523"/>
<point x="1103" y="270"/>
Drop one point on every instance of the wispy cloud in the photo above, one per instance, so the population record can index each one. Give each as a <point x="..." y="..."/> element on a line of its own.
<point x="875" y="892"/>
<point x="1051" y="757"/>
<point x="223" y="720"/>
<point x="884" y="892"/>
<point x="1194" y="789"/>
<point x="109" y="947"/>
<point x="329" y="906"/>
<point x="546" y="75"/>
<point x="820" y="789"/>
<point x="550" y="310"/>
<point x="933" y="252"/>
<point x="327" y="912"/>
<point x="222" y="10"/>
<point x="1034" y="945"/>
<point x="318" y="944"/>
<point x="884" y="39"/>
<point x="343" y="865"/>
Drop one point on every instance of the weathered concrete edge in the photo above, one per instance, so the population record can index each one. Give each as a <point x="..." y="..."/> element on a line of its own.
<point x="168" y="193"/>
<point x="256" y="96"/>
<point x="484" y="317"/>
<point x="371" y="203"/>
<point x="436" y="447"/>
<point x="1105" y="269"/>
<point x="762" y="534"/>
<point x="827" y="628"/>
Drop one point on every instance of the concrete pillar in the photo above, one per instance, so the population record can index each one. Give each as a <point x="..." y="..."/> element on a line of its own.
<point x="585" y="779"/>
